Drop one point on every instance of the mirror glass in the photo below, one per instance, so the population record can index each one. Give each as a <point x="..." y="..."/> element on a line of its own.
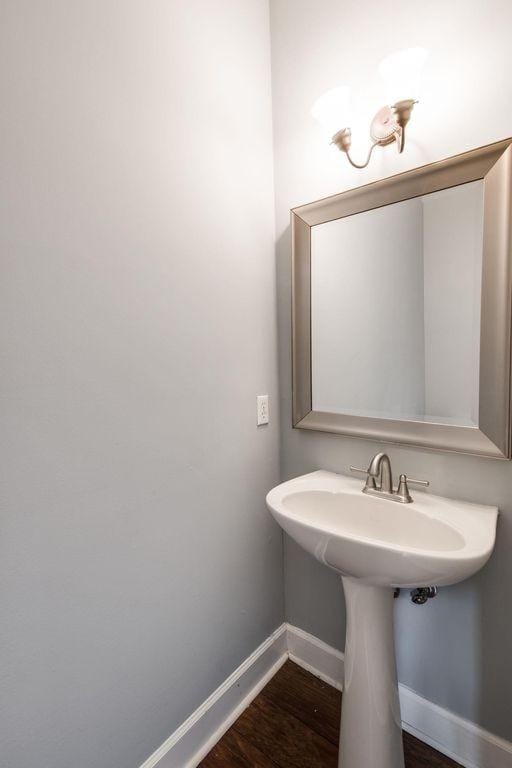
<point x="395" y="309"/>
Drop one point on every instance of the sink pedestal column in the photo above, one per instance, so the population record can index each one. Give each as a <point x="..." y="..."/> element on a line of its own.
<point x="371" y="728"/>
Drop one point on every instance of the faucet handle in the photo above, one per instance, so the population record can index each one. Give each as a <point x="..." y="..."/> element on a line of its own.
<point x="362" y="471"/>
<point x="370" y="478"/>
<point x="426" y="483"/>
<point x="403" y="489"/>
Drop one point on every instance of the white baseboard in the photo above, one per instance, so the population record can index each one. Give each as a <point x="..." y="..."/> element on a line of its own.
<point x="463" y="741"/>
<point x="192" y="741"/>
<point x="455" y="737"/>
<point x="460" y="739"/>
<point x="317" y="657"/>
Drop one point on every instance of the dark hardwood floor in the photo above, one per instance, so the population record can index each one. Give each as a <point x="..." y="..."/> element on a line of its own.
<point x="294" y="723"/>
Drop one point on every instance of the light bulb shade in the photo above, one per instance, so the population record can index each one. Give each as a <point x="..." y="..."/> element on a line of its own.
<point x="402" y="72"/>
<point x="332" y="110"/>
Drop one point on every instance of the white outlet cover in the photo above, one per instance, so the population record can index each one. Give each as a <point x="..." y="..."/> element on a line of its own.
<point x="262" y="403"/>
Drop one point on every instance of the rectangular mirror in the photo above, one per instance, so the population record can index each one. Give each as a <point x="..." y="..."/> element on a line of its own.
<point x="401" y="307"/>
<point x="398" y="277"/>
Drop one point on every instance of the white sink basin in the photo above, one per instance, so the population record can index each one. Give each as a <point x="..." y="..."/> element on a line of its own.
<point x="377" y="544"/>
<point x="433" y="541"/>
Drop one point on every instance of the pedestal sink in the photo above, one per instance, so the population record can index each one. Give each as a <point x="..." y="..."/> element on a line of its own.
<point x="377" y="545"/>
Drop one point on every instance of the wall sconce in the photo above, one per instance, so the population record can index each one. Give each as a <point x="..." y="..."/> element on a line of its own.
<point x="401" y="72"/>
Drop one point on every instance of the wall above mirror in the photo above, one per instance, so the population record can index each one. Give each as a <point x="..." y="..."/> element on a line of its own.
<point x="402" y="307"/>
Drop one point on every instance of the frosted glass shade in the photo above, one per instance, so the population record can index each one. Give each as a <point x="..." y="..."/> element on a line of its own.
<point x="402" y="72"/>
<point x="332" y="110"/>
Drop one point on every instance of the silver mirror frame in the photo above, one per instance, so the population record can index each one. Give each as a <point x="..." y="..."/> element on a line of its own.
<point x="492" y="438"/>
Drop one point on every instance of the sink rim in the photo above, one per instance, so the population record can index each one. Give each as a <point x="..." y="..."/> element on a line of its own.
<point x="478" y="534"/>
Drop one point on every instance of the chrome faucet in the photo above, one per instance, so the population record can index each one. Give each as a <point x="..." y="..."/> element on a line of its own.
<point x="379" y="480"/>
<point x="380" y="468"/>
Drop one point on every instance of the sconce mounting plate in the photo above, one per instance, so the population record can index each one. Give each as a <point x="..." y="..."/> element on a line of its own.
<point x="384" y="128"/>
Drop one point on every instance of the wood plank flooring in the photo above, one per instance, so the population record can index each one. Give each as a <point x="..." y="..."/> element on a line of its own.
<point x="294" y="723"/>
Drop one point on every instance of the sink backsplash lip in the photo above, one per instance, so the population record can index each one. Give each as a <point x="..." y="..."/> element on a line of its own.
<point x="355" y="485"/>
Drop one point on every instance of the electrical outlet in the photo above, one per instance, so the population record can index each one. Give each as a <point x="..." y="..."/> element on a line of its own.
<point x="262" y="401"/>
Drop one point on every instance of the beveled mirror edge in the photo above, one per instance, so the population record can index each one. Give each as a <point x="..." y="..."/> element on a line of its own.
<point x="496" y="312"/>
<point x="494" y="438"/>
<point x="432" y="177"/>
<point x="418" y="434"/>
<point x="301" y="318"/>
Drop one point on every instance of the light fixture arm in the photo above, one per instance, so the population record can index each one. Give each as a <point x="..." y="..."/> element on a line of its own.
<point x="356" y="165"/>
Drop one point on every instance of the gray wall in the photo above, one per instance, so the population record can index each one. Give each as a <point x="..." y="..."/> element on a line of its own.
<point x="456" y="650"/>
<point x="138" y="564"/>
